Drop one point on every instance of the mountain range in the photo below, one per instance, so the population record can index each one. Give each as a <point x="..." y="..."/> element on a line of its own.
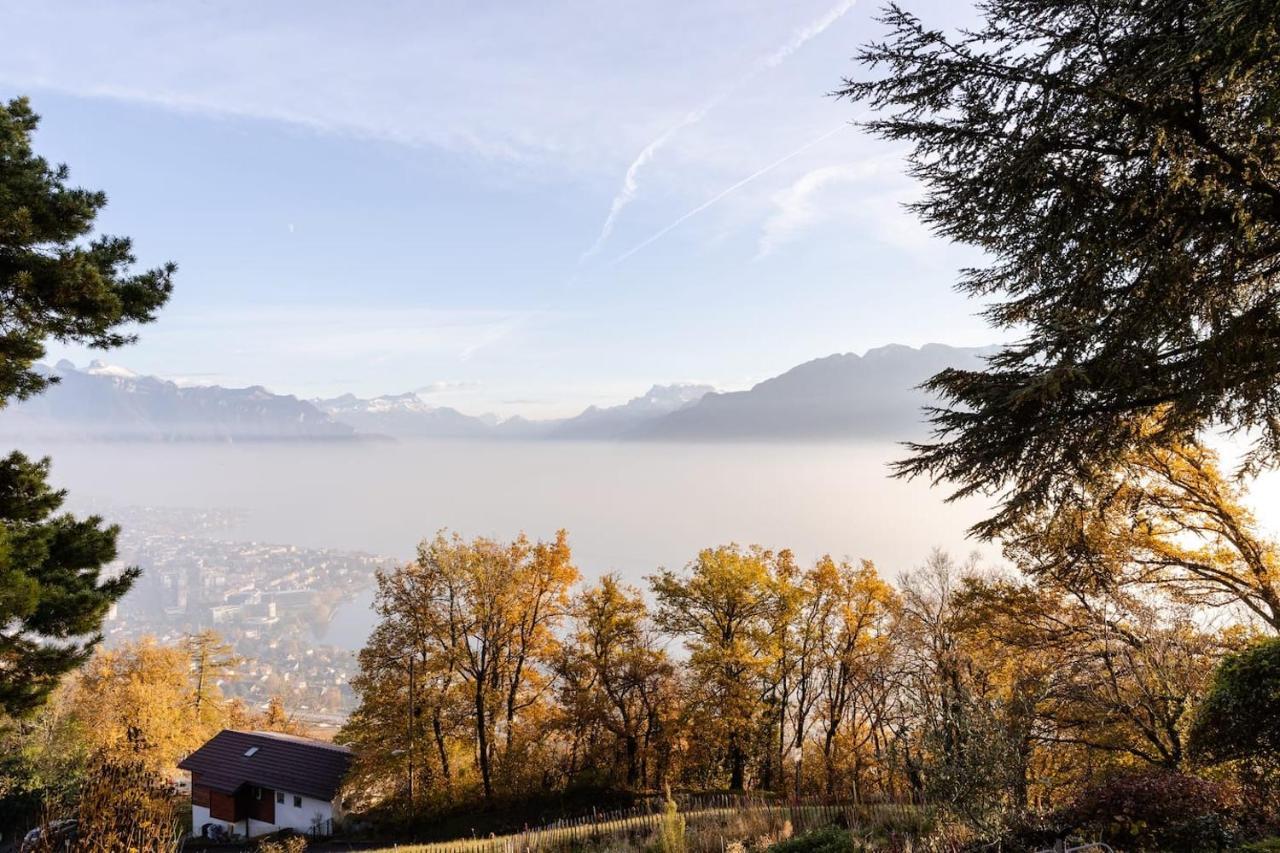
<point x="840" y="397"/>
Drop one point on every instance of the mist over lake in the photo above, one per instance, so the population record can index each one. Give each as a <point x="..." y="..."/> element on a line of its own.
<point x="628" y="507"/>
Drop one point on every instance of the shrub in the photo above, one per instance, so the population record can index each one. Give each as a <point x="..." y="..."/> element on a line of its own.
<point x="284" y="844"/>
<point x="670" y="837"/>
<point x="121" y="806"/>
<point x="1159" y="810"/>
<point x="1239" y="718"/>
<point x="831" y="839"/>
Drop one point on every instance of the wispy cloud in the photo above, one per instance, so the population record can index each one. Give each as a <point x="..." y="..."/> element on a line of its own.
<point x="795" y="207"/>
<point x="727" y="191"/>
<point x="631" y="180"/>
<point x="872" y="201"/>
<point x="808" y="33"/>
<point x="444" y="386"/>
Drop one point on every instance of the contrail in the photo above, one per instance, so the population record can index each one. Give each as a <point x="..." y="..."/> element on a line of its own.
<point x="630" y="182"/>
<point x="733" y="188"/>
<point x="810" y="32"/>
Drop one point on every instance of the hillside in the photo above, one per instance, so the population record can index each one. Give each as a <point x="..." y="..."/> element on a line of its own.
<point x="841" y="396"/>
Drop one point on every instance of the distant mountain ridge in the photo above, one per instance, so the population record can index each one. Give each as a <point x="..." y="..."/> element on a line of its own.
<point x="839" y="397"/>
<point x="409" y="416"/>
<point x="403" y="416"/>
<point x="103" y="401"/>
<point x="875" y="395"/>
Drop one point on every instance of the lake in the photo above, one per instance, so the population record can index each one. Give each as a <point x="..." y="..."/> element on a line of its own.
<point x="628" y="507"/>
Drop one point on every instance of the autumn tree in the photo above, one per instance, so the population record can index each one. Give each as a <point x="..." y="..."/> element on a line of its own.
<point x="1165" y="520"/>
<point x="721" y="606"/>
<point x="1115" y="673"/>
<point x="136" y="703"/>
<point x="796" y="624"/>
<point x="57" y="282"/>
<point x="615" y="675"/>
<point x="478" y="622"/>
<point x="213" y="660"/>
<point x="858" y="611"/>
<point x="950" y="744"/>
<point x="1119" y="166"/>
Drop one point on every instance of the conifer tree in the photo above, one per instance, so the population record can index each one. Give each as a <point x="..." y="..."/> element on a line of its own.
<point x="56" y="282"/>
<point x="1119" y="166"/>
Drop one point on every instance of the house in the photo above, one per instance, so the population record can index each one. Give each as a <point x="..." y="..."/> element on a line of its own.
<point x="253" y="783"/>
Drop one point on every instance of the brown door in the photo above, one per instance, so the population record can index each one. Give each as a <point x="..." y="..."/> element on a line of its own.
<point x="259" y="803"/>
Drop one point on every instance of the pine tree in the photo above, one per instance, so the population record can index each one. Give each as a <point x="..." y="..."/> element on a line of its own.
<point x="55" y="282"/>
<point x="1119" y="166"/>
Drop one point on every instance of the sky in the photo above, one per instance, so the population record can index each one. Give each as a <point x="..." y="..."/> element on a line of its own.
<point x="521" y="208"/>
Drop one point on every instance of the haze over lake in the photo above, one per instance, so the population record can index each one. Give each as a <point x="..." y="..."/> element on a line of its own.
<point x="628" y="507"/>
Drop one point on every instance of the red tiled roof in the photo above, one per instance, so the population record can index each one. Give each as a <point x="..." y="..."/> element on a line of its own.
<point x="280" y="762"/>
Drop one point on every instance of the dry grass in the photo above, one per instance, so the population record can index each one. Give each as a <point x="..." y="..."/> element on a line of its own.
<point x="712" y="825"/>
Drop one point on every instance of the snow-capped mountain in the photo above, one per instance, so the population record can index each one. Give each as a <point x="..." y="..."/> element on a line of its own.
<point x="403" y="416"/>
<point x="840" y="397"/>
<point x="409" y="416"/>
<point x="104" y="401"/>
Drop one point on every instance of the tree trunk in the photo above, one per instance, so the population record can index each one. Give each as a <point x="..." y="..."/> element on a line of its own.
<point x="633" y="763"/>
<point x="482" y="742"/>
<point x="827" y="745"/>
<point x="437" y="729"/>
<point x="737" y="766"/>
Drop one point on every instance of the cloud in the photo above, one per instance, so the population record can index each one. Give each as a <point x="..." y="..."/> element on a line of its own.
<point x="631" y="180"/>
<point x="808" y="33"/>
<point x="732" y="188"/>
<point x="442" y="386"/>
<point x="872" y="201"/>
<point x="796" y="208"/>
<point x="565" y="86"/>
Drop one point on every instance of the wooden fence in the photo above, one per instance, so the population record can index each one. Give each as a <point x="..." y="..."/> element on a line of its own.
<point x="702" y="814"/>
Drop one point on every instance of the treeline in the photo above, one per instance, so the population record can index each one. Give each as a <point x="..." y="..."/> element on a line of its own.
<point x="998" y="693"/>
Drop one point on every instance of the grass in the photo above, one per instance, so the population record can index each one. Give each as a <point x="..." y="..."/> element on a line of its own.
<point x="711" y="824"/>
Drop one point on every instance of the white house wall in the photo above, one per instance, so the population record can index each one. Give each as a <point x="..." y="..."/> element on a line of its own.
<point x="301" y="818"/>
<point x="200" y="816"/>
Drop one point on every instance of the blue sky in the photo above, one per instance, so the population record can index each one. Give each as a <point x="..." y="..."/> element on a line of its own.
<point x="515" y="207"/>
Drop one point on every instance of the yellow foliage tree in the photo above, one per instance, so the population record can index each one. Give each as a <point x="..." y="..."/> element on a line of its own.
<point x="478" y="621"/>
<point x="722" y="605"/>
<point x="1167" y="519"/>
<point x="135" y="702"/>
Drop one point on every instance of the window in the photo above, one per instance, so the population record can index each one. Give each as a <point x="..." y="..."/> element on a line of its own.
<point x="257" y="793"/>
<point x="280" y="797"/>
<point x="248" y="753"/>
<point x="297" y="801"/>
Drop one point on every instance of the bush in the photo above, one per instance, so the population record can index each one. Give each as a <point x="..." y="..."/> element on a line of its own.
<point x="283" y="844"/>
<point x="1239" y="718"/>
<point x="1159" y="810"/>
<point x="670" y="829"/>
<point x="831" y="839"/>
